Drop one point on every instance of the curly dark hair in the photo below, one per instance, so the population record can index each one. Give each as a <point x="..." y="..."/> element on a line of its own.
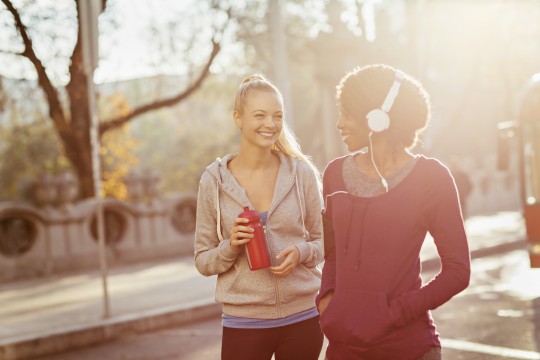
<point x="364" y="89"/>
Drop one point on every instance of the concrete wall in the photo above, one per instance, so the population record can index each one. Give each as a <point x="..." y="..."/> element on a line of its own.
<point x="41" y="241"/>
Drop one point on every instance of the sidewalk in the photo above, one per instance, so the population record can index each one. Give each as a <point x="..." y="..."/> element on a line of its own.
<point x="44" y="316"/>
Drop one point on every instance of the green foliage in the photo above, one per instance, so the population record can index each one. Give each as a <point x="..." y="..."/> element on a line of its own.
<point x="117" y="148"/>
<point x="29" y="147"/>
<point x="27" y="150"/>
<point x="117" y="160"/>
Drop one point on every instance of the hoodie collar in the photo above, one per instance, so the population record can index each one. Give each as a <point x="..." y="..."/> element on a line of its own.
<point x="227" y="182"/>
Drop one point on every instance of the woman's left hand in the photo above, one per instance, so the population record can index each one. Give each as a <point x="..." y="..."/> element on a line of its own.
<point x="292" y="258"/>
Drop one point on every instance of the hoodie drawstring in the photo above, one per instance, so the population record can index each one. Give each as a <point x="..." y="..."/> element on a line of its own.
<point x="218" y="214"/>
<point x="301" y="208"/>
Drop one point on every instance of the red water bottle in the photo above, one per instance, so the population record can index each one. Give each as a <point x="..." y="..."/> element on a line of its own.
<point x="256" y="248"/>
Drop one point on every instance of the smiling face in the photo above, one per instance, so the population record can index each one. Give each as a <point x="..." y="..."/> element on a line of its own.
<point x="354" y="132"/>
<point x="261" y="118"/>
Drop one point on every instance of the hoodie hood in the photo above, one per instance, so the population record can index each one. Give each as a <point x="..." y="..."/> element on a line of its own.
<point x="227" y="183"/>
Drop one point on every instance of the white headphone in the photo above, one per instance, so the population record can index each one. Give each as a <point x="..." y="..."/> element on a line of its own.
<point x="378" y="119"/>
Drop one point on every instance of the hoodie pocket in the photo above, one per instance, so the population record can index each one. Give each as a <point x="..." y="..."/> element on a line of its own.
<point x="246" y="287"/>
<point x="302" y="282"/>
<point x="357" y="317"/>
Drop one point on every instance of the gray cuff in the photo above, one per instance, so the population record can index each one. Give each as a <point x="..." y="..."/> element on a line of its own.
<point x="226" y="251"/>
<point x="305" y="251"/>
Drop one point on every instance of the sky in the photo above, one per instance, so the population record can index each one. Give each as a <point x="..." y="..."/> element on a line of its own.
<point x="126" y="46"/>
<point x="124" y="53"/>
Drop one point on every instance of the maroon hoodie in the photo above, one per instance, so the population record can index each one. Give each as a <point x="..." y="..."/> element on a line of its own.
<point x="380" y="309"/>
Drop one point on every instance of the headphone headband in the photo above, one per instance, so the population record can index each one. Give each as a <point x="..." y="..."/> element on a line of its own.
<point x="378" y="119"/>
<point x="393" y="92"/>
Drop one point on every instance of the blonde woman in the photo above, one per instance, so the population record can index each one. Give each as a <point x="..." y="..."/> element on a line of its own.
<point x="270" y="311"/>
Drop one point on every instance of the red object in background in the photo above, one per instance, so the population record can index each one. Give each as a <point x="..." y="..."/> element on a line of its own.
<point x="532" y="223"/>
<point x="256" y="249"/>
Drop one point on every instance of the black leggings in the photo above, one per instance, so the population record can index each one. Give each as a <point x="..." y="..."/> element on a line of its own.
<point x="300" y="341"/>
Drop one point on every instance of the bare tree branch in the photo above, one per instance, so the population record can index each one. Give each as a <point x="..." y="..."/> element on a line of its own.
<point x="6" y="52"/>
<point x="217" y="38"/>
<point x="55" y="108"/>
<point x="119" y="121"/>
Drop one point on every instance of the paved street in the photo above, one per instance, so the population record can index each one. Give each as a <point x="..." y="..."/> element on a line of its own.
<point x="196" y="341"/>
<point x="38" y="305"/>
<point x="497" y="317"/>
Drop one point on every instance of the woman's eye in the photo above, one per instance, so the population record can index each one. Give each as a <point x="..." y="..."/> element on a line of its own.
<point x="259" y="116"/>
<point x="278" y="117"/>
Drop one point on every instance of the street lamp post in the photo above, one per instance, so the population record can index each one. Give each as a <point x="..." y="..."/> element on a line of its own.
<point x="89" y="11"/>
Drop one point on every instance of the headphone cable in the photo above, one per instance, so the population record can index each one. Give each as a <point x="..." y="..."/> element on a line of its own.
<point x="383" y="180"/>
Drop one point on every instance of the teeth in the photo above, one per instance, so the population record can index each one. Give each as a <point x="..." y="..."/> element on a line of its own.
<point x="266" y="133"/>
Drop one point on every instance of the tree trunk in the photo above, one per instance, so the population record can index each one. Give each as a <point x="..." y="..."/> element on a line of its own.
<point x="77" y="143"/>
<point x="79" y="152"/>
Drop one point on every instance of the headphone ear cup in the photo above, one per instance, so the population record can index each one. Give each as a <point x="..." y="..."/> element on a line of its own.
<point x="378" y="120"/>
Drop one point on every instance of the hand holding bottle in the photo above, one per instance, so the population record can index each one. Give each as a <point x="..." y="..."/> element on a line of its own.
<point x="241" y="234"/>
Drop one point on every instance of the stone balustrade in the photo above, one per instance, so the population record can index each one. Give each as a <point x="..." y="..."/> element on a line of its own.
<point x="41" y="239"/>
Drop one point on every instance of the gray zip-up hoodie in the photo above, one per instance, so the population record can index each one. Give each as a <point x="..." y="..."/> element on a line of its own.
<point x="294" y="218"/>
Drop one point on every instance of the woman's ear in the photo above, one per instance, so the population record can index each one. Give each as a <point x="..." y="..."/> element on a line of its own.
<point x="237" y="119"/>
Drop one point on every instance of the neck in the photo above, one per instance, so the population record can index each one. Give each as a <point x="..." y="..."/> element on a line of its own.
<point x="387" y="156"/>
<point x="254" y="158"/>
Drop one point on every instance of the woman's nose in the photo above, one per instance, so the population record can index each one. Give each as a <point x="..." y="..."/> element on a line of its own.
<point x="270" y="122"/>
<point x="339" y="124"/>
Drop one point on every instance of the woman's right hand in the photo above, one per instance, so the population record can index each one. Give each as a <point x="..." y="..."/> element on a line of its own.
<point x="324" y="302"/>
<point x="240" y="234"/>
